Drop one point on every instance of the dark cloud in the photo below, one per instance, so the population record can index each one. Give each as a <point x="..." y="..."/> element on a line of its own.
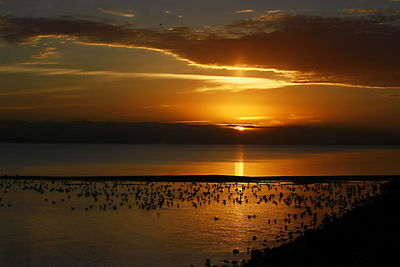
<point x="357" y="51"/>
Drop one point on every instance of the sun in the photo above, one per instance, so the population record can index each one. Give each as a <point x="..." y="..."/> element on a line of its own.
<point x="239" y="128"/>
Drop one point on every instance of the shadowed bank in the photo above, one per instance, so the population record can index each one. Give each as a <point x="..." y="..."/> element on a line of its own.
<point x="366" y="236"/>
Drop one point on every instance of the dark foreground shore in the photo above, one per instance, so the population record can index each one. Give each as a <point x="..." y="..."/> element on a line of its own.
<point x="366" y="236"/>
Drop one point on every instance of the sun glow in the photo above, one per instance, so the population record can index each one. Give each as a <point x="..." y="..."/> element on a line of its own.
<point x="239" y="128"/>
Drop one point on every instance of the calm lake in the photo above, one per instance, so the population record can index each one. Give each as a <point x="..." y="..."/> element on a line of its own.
<point x="128" y="223"/>
<point x="80" y="223"/>
<point x="247" y="160"/>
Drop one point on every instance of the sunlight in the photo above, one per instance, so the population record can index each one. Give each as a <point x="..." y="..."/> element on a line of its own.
<point x="239" y="163"/>
<point x="239" y="168"/>
<point x="240" y="128"/>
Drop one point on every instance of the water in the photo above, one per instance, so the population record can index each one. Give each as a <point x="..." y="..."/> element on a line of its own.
<point x="248" y="160"/>
<point x="80" y="223"/>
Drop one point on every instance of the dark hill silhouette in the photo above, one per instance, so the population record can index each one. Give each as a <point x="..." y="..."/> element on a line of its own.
<point x="179" y="133"/>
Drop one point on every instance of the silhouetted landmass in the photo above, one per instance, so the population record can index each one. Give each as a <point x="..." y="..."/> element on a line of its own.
<point x="164" y="133"/>
<point x="366" y="236"/>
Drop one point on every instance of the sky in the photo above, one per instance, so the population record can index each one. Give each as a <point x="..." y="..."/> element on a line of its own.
<point x="260" y="63"/>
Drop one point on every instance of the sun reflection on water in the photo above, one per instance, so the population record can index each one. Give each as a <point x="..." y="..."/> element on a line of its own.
<point x="239" y="163"/>
<point x="149" y="221"/>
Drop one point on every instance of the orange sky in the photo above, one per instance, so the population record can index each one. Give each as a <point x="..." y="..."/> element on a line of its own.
<point x="268" y="69"/>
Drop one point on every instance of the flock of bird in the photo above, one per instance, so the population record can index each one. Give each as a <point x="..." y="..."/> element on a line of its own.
<point x="309" y="204"/>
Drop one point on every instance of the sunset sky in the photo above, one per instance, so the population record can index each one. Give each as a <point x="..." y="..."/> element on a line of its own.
<point x="245" y="62"/>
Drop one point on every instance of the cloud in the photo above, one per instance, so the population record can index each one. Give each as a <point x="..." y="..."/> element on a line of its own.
<point x="38" y="70"/>
<point x="391" y="95"/>
<point x="116" y="13"/>
<point x="66" y="89"/>
<point x="17" y="108"/>
<point x="45" y="53"/>
<point x="252" y="118"/>
<point x="38" y="63"/>
<point x="292" y="119"/>
<point x="244" y="11"/>
<point x="68" y="96"/>
<point x="354" y="51"/>
<point x="237" y="84"/>
<point x="220" y="83"/>
<point x="361" y="10"/>
<point x="273" y="11"/>
<point x="213" y="82"/>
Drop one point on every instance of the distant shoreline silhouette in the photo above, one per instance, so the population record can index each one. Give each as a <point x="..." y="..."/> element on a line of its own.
<point x="86" y="132"/>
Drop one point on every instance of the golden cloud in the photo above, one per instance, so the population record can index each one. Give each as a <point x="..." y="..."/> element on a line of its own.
<point x="116" y="13"/>
<point x="354" y="51"/>
<point x="212" y="82"/>
<point x="361" y="10"/>
<point x="244" y="11"/>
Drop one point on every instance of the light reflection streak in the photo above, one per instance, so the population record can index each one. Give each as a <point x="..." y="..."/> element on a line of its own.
<point x="239" y="164"/>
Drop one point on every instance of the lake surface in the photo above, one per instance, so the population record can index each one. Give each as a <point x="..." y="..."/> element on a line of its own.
<point x="128" y="223"/>
<point x="247" y="160"/>
<point x="81" y="223"/>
